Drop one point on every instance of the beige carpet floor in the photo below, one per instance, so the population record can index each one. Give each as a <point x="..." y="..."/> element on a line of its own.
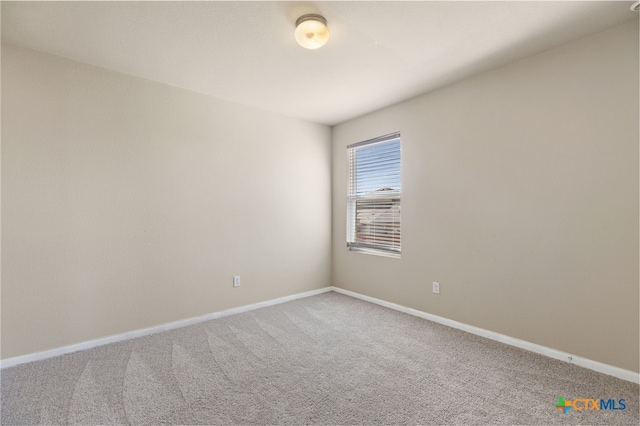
<point x="327" y="359"/>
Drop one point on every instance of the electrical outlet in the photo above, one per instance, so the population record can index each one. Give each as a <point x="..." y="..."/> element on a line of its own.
<point x="236" y="281"/>
<point x="436" y="287"/>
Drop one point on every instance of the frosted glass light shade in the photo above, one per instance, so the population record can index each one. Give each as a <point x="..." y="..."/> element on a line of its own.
<point x="311" y="31"/>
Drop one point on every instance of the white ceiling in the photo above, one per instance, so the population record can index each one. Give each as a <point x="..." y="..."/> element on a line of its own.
<point x="378" y="53"/>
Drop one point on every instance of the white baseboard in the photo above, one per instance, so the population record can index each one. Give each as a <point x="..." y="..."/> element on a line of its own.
<point x="600" y="367"/>
<point x="523" y="344"/>
<point x="10" y="362"/>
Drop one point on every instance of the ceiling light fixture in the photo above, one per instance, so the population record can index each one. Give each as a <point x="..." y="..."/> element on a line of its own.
<point x="311" y="31"/>
<point x="635" y="6"/>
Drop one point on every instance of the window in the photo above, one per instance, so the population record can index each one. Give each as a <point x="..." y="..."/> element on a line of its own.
<point x="373" y="196"/>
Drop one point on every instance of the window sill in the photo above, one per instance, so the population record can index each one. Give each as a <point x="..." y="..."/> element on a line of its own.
<point x="375" y="252"/>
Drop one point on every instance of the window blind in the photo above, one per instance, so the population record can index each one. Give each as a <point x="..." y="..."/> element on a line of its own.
<point x="373" y="195"/>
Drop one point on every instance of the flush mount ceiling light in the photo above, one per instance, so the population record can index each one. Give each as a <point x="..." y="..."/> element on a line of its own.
<point x="311" y="31"/>
<point x="636" y="6"/>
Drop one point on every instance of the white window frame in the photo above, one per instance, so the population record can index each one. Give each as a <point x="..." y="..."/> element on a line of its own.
<point x="383" y="238"/>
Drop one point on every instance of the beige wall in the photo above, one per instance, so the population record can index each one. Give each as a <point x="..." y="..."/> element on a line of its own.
<point x="520" y="196"/>
<point x="127" y="204"/>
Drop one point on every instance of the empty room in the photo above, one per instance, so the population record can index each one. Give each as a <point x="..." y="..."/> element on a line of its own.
<point x="320" y="212"/>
